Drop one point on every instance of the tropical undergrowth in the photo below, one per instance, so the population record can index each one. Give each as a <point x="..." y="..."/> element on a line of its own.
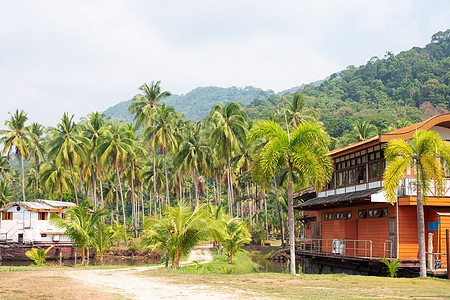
<point x="242" y="263"/>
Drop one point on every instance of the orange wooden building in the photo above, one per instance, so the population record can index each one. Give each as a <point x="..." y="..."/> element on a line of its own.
<point x="354" y="220"/>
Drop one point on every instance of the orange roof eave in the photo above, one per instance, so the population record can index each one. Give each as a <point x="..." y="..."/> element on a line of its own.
<point x="405" y="133"/>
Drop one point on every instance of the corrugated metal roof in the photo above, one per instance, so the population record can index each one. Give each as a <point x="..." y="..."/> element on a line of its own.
<point x="338" y="198"/>
<point x="38" y="204"/>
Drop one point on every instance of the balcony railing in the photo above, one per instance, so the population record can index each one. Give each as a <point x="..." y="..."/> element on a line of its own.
<point x="408" y="188"/>
<point x="355" y="248"/>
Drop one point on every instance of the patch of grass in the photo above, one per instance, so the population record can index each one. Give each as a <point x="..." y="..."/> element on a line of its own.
<point x="242" y="263"/>
<point x="332" y="286"/>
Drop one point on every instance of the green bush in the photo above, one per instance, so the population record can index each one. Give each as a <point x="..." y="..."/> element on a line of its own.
<point x="392" y="265"/>
<point x="38" y="255"/>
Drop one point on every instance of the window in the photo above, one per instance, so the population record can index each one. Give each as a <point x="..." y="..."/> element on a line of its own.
<point x="362" y="214"/>
<point x="327" y="216"/>
<point x="63" y="216"/>
<point x="7" y="215"/>
<point x="344" y="215"/>
<point x="378" y="212"/>
<point x="42" y="215"/>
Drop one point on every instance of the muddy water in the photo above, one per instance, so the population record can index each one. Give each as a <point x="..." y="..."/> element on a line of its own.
<point x="109" y="261"/>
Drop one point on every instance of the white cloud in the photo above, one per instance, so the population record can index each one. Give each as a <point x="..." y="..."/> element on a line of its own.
<point x="84" y="56"/>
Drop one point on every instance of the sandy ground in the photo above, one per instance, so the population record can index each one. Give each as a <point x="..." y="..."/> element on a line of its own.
<point x="126" y="282"/>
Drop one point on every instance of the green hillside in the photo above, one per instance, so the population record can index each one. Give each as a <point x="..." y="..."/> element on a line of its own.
<point x="387" y="92"/>
<point x="197" y="103"/>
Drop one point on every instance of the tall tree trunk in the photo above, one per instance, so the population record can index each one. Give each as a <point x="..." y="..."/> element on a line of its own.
<point x="207" y="191"/>
<point x="121" y="197"/>
<point x="265" y="211"/>
<point x="101" y="184"/>
<point x="73" y="182"/>
<point x="133" y="202"/>
<point x="214" y="189"/>
<point x="197" y="200"/>
<point x="94" y="189"/>
<point x="180" y="188"/>
<point x="421" y="226"/>
<point x="159" y="202"/>
<point x="291" y="226"/>
<point x="231" y="188"/>
<point x="142" y="201"/>
<point x="249" y="209"/>
<point x="167" y="180"/>
<point x="154" y="178"/>
<point x="36" y="160"/>
<point x="280" y="215"/>
<point x="22" y="176"/>
<point x="220" y="187"/>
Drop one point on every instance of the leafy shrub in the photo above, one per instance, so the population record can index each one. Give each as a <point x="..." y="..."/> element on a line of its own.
<point x="38" y="255"/>
<point x="392" y="265"/>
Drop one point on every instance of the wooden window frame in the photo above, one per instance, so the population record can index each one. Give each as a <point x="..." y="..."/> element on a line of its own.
<point x="7" y="216"/>
<point x="42" y="215"/>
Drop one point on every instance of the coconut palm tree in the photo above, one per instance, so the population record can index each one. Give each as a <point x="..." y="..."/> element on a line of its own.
<point x="180" y="230"/>
<point x="5" y="192"/>
<point x="296" y="112"/>
<point x="229" y="130"/>
<point x="144" y="108"/>
<point x="425" y="156"/>
<point x="234" y="235"/>
<point x="162" y="136"/>
<point x="5" y="168"/>
<point x="17" y="138"/>
<point x="37" y="147"/>
<point x="115" y="146"/>
<point x="67" y="146"/>
<point x="54" y="178"/>
<point x="194" y="155"/>
<point x="302" y="152"/>
<point x="103" y="236"/>
<point x="93" y="127"/>
<point x="79" y="226"/>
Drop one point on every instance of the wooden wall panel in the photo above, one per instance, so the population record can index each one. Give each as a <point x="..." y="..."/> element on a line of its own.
<point x="444" y="224"/>
<point x="408" y="244"/>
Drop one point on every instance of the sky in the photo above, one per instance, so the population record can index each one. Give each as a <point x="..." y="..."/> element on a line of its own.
<point x="84" y="56"/>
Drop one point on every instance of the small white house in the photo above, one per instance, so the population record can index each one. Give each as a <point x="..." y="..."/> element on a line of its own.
<point x="29" y="222"/>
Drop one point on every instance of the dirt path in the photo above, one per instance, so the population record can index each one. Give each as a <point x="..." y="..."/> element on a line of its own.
<point x="127" y="283"/>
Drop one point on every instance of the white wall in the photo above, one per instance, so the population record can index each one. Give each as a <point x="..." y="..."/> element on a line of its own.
<point x="27" y="223"/>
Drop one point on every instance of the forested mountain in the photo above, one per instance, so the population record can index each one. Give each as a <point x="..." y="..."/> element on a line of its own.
<point x="197" y="103"/>
<point x="386" y="92"/>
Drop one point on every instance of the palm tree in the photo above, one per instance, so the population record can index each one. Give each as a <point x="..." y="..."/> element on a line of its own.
<point x="93" y="128"/>
<point x="37" y="146"/>
<point x="67" y="147"/>
<point x="144" y="107"/>
<point x="425" y="155"/>
<point x="54" y="178"/>
<point x="229" y="130"/>
<point x="5" y="193"/>
<point x="79" y="226"/>
<point x="179" y="231"/>
<point x="5" y="168"/>
<point x="295" y="111"/>
<point x="17" y="138"/>
<point x="103" y="237"/>
<point x="162" y="135"/>
<point x="363" y="130"/>
<point x="194" y="155"/>
<point x="116" y="145"/>
<point x="302" y="152"/>
<point x="235" y="234"/>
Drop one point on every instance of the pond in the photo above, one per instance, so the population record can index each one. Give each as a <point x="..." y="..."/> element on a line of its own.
<point x="119" y="261"/>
